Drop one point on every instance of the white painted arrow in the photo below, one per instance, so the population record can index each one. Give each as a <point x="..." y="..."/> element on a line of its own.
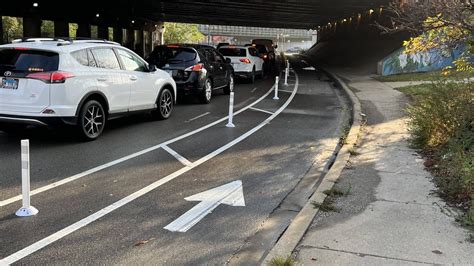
<point x="230" y="194"/>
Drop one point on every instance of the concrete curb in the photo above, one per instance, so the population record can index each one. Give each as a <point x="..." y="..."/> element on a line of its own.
<point x="298" y="227"/>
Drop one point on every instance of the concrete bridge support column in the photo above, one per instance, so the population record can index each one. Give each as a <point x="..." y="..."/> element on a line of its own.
<point x="149" y="42"/>
<point x="31" y="27"/>
<point x="61" y="29"/>
<point x="103" y="32"/>
<point x="1" y="31"/>
<point x="118" y="35"/>
<point x="139" y="43"/>
<point x="129" y="38"/>
<point x="83" y="30"/>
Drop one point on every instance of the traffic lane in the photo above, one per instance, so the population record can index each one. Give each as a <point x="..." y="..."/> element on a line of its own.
<point x="96" y="184"/>
<point x="212" y="139"/>
<point x="270" y="163"/>
<point x="72" y="202"/>
<point x="55" y="155"/>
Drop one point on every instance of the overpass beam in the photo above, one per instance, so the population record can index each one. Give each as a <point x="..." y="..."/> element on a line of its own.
<point x="31" y="27"/>
<point x="61" y="29"/>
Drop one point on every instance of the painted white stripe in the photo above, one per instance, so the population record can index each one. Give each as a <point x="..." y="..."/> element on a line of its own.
<point x="93" y="217"/>
<point x="230" y="194"/>
<point x="128" y="157"/>
<point x="254" y="89"/>
<point x="176" y="155"/>
<point x="285" y="91"/>
<point x="197" y="117"/>
<point x="261" y="110"/>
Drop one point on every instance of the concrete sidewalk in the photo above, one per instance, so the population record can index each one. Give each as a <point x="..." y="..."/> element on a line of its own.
<point x="389" y="214"/>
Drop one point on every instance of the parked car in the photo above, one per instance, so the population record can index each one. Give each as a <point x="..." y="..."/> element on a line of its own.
<point x="84" y="83"/>
<point x="245" y="60"/>
<point x="198" y="70"/>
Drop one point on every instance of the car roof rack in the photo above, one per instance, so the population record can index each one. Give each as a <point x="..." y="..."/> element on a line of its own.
<point x="65" y="40"/>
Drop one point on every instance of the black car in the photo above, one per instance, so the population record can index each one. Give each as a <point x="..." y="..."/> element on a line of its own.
<point x="197" y="69"/>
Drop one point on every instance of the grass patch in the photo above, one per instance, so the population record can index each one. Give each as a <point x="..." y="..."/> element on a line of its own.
<point x="442" y="126"/>
<point x="280" y="261"/>
<point x="353" y="152"/>
<point x="416" y="90"/>
<point x="326" y="206"/>
<point x="334" y="192"/>
<point x="425" y="76"/>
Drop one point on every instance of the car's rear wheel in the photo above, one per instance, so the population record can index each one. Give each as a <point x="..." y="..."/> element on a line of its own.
<point x="206" y="95"/>
<point x="92" y="120"/>
<point x="230" y="86"/>
<point x="165" y="105"/>
<point x="252" y="76"/>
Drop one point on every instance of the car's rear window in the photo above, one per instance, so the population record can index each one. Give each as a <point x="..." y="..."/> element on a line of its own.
<point x="24" y="60"/>
<point x="233" y="52"/>
<point x="172" y="56"/>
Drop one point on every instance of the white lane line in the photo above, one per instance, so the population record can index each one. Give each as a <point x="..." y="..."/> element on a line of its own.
<point x="254" y="89"/>
<point x="93" y="217"/>
<point x="197" y="117"/>
<point x="128" y="157"/>
<point x="176" y="155"/>
<point x="261" y="110"/>
<point x="285" y="91"/>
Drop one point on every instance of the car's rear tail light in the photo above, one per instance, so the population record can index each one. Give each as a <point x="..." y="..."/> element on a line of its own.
<point x="264" y="56"/>
<point x="245" y="61"/>
<point x="51" y="77"/>
<point x="195" y="68"/>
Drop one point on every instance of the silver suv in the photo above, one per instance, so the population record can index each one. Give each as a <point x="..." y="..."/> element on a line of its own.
<point x="83" y="83"/>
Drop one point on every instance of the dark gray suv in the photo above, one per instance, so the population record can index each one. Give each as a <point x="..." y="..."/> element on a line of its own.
<point x="198" y="70"/>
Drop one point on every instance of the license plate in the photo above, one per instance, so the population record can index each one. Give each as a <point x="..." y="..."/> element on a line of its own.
<point x="9" y="83"/>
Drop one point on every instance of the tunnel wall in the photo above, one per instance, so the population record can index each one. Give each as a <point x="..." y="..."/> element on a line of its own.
<point x="356" y="42"/>
<point x="399" y="62"/>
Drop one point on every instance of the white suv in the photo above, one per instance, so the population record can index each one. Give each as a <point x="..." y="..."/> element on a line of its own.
<point x="245" y="60"/>
<point x="83" y="83"/>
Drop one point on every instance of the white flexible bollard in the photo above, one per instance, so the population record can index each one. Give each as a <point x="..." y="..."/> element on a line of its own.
<point x="26" y="210"/>
<point x="287" y="72"/>
<point x="231" y="111"/>
<point x="277" y="80"/>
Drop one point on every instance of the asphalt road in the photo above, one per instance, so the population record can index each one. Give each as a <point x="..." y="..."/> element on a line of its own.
<point x="116" y="214"/>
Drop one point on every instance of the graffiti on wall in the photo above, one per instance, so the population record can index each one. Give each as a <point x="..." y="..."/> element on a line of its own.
<point x="399" y="62"/>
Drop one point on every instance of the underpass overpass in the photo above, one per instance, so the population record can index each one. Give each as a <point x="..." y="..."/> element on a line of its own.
<point x="136" y="23"/>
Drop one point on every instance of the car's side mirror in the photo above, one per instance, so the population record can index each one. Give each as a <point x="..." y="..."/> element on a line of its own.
<point x="152" y="68"/>
<point x="228" y="61"/>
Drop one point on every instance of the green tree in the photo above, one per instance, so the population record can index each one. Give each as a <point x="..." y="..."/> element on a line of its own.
<point x="182" y="33"/>
<point x="47" y="29"/>
<point x="446" y="25"/>
<point x="12" y="28"/>
<point x="73" y="30"/>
